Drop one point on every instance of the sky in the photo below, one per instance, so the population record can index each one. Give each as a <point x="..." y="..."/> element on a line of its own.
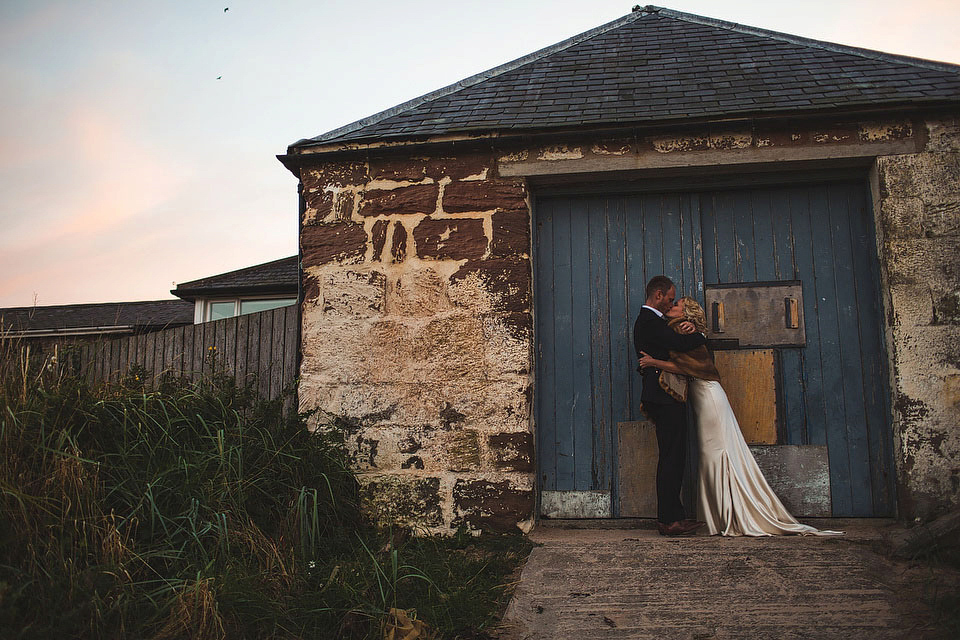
<point x="138" y="140"/>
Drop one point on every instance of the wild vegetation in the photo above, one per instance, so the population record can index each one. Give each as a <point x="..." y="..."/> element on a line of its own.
<point x="195" y="510"/>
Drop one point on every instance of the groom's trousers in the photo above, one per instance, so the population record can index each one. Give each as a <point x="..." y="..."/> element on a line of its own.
<point x="670" y="420"/>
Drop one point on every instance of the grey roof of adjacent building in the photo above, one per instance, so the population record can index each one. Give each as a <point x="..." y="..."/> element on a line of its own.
<point x="658" y="66"/>
<point x="278" y="277"/>
<point x="106" y="317"/>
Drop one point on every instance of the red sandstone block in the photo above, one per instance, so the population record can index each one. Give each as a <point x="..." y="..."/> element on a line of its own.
<point x="459" y="239"/>
<point x="484" y="195"/>
<point x="418" y="198"/>
<point x="344" y="242"/>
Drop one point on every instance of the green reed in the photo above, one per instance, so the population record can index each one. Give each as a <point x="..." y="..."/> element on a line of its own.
<point x="196" y="510"/>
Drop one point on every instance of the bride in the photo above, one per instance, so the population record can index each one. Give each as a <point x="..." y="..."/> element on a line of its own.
<point x="734" y="499"/>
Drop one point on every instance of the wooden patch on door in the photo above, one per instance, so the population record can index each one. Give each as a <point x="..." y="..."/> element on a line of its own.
<point x="638" y="469"/>
<point x="749" y="378"/>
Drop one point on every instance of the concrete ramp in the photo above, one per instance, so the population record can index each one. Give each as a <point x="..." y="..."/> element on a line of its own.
<point x="633" y="583"/>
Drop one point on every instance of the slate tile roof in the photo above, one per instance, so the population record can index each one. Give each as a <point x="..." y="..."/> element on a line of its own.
<point x="138" y="316"/>
<point x="276" y="277"/>
<point x="660" y="66"/>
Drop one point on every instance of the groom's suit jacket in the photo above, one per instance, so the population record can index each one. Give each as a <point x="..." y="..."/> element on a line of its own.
<point x="653" y="336"/>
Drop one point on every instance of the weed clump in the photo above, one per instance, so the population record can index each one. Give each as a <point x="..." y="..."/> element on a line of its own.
<point x="195" y="510"/>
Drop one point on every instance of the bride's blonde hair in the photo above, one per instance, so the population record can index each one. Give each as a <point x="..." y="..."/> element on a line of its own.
<point x="693" y="312"/>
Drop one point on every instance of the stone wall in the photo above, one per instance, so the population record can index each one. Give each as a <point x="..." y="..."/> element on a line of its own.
<point x="417" y="315"/>
<point x="919" y="227"/>
<point x="417" y="330"/>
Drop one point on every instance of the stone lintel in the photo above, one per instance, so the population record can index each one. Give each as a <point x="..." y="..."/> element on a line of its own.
<point x="650" y="159"/>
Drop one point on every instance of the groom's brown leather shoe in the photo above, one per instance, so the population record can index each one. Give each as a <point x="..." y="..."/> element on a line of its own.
<point x="679" y="528"/>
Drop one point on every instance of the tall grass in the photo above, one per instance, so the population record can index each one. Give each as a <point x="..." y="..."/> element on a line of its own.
<point x="195" y="510"/>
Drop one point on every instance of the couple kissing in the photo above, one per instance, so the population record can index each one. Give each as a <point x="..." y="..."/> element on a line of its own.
<point x="734" y="499"/>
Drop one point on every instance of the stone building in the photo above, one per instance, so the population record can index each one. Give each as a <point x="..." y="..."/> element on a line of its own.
<point x="473" y="260"/>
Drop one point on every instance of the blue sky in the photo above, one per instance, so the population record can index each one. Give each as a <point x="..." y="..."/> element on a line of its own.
<point x="126" y="165"/>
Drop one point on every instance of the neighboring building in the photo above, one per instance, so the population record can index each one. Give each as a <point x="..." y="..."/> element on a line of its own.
<point x="71" y="323"/>
<point x="259" y="288"/>
<point x="473" y="261"/>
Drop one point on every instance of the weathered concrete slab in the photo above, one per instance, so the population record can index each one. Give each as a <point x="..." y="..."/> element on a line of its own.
<point x="631" y="583"/>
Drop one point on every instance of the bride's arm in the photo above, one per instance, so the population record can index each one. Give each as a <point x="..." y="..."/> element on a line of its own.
<point x="664" y="365"/>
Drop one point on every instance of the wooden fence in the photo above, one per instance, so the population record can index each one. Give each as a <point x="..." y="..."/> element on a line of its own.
<point x="258" y="348"/>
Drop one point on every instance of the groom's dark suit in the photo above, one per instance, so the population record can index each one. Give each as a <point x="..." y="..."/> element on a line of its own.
<point x="652" y="336"/>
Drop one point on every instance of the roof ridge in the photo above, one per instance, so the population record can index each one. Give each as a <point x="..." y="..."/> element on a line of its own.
<point x="636" y="14"/>
<point x="87" y="304"/>
<point x="934" y="65"/>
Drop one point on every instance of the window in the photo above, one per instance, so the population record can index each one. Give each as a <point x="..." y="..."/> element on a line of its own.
<point x="220" y="309"/>
<point x="253" y="306"/>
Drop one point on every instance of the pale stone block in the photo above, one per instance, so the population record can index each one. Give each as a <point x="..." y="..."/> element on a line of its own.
<point x="353" y="293"/>
<point x="927" y="175"/>
<point x="506" y="353"/>
<point x="417" y="292"/>
<point x="902" y="217"/>
<point x="943" y="135"/>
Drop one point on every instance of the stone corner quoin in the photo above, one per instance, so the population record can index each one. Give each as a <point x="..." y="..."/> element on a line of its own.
<point x="417" y="330"/>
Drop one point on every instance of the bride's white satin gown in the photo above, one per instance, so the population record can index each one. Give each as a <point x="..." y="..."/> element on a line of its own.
<point x="734" y="497"/>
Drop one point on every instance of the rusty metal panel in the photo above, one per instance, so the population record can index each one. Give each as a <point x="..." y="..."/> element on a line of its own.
<point x="638" y="469"/>
<point x="756" y="314"/>
<point x="799" y="475"/>
<point x="749" y="378"/>
<point x="575" y="504"/>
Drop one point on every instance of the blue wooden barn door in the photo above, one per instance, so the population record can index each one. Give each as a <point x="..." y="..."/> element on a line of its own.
<point x="593" y="256"/>
<point x="832" y="390"/>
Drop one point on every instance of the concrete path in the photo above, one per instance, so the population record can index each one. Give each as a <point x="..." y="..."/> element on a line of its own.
<point x="632" y="583"/>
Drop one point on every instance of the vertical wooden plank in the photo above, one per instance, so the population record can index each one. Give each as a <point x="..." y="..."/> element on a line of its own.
<point x="855" y="420"/>
<point x="564" y="399"/>
<point x="621" y="324"/>
<point x="670" y="226"/>
<point x="276" y="354"/>
<point x="253" y="350"/>
<point x="240" y="349"/>
<point x="782" y="232"/>
<point x="600" y="331"/>
<point x="793" y="410"/>
<point x="266" y="345"/>
<point x="652" y="237"/>
<point x="726" y="239"/>
<point x="291" y="320"/>
<point x="636" y="289"/>
<point x="693" y="229"/>
<point x="186" y="353"/>
<point x="169" y="349"/>
<point x="621" y="332"/>
<point x="764" y="243"/>
<point x="229" y="350"/>
<point x="580" y="383"/>
<point x="111" y="356"/>
<point x="812" y="366"/>
<point x="175" y="366"/>
<point x="123" y="357"/>
<point x="545" y="327"/>
<point x="744" y="234"/>
<point x="873" y="364"/>
<point x="199" y="351"/>
<point x="149" y="349"/>
<point x="830" y="351"/>
<point x="158" y="355"/>
<point x="220" y="345"/>
<point x="708" y="234"/>
<point x="85" y="359"/>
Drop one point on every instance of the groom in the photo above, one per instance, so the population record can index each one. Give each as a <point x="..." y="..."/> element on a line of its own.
<point x="651" y="335"/>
